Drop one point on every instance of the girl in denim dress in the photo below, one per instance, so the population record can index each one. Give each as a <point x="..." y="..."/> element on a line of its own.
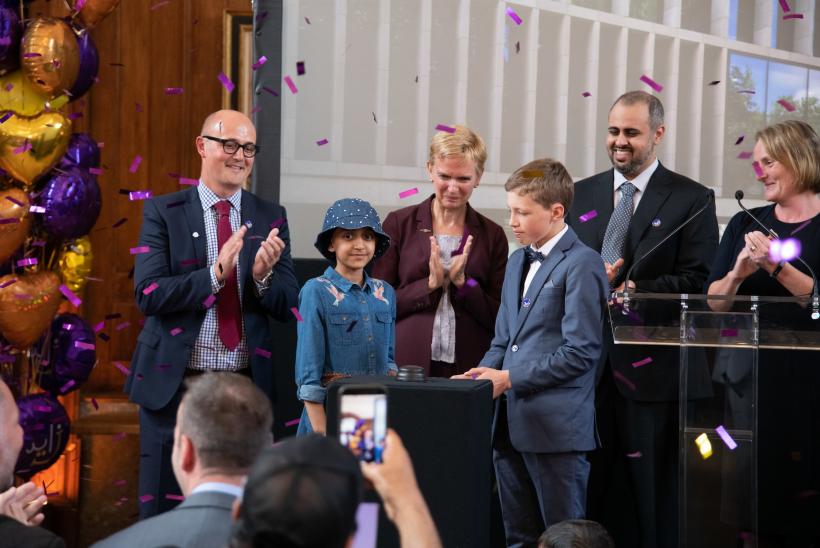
<point x="348" y="318"/>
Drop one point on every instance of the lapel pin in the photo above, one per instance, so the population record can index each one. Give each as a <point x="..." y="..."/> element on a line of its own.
<point x="249" y="224"/>
<point x="526" y="302"/>
<point x="656" y="222"/>
<point x="195" y="234"/>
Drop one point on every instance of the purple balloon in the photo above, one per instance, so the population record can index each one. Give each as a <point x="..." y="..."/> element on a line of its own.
<point x="72" y="355"/>
<point x="45" y="433"/>
<point x="89" y="66"/>
<point x="82" y="151"/>
<point x="72" y="203"/>
<point x="10" y="33"/>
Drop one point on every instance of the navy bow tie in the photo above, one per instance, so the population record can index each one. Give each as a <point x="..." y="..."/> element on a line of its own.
<point x="533" y="255"/>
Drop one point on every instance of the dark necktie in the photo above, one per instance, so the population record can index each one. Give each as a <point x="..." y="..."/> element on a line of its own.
<point x="533" y="255"/>
<point x="227" y="310"/>
<point x="615" y="236"/>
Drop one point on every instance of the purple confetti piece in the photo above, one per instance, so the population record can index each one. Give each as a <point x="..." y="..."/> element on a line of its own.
<point x="171" y="496"/>
<point x="95" y="404"/>
<point x="188" y="181"/>
<point x="758" y="169"/>
<point x="269" y="90"/>
<point x="175" y="204"/>
<point x="740" y="139"/>
<point x="124" y="370"/>
<point x="642" y="362"/>
<point x="36" y="209"/>
<point x="67" y="386"/>
<point x="801" y="227"/>
<point x="30" y="55"/>
<point x="261" y="17"/>
<point x="174" y="91"/>
<point x="296" y="314"/>
<point x="159" y="5"/>
<point x="148" y="290"/>
<point x="261" y="352"/>
<point x="75" y="115"/>
<point x="408" y="192"/>
<point x="793" y="16"/>
<point x="120" y="222"/>
<point x="714" y="82"/>
<point x="113" y="316"/>
<point x="5" y="117"/>
<point x="443" y="127"/>
<point x="261" y="61"/>
<point x="588" y="215"/>
<point x="635" y="455"/>
<point x="514" y="16"/>
<point x="135" y="164"/>
<point x="209" y="301"/>
<point x="745" y="155"/>
<point x="727" y="439"/>
<point x="784" y="5"/>
<point x="747" y="91"/>
<point x="226" y="82"/>
<point x="307" y="20"/>
<point x="293" y="422"/>
<point x="300" y="68"/>
<point x="74" y="299"/>
<point x="120" y="483"/>
<point x="140" y="249"/>
<point x="95" y="171"/>
<point x="176" y="331"/>
<point x="277" y="223"/>
<point x="729" y="332"/>
<point x="84" y="345"/>
<point x="786" y="104"/>
<point x="140" y="195"/>
<point x="291" y="85"/>
<point x="619" y="376"/>
<point x="586" y="94"/>
<point x="97" y="328"/>
<point x="104" y="337"/>
<point x="351" y="326"/>
<point x="322" y="142"/>
<point x="651" y="83"/>
<point x="187" y="262"/>
<point x="146" y="498"/>
<point x="43" y="408"/>
<point x="9" y="221"/>
<point x="8" y="283"/>
<point x="30" y="261"/>
<point x="25" y="147"/>
<point x="121" y="326"/>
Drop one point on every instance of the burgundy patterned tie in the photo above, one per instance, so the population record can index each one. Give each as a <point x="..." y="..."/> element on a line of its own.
<point x="227" y="310"/>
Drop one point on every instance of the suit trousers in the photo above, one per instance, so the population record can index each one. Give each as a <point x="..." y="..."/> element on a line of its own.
<point x="156" y="476"/>
<point x="536" y="490"/>
<point x="633" y="484"/>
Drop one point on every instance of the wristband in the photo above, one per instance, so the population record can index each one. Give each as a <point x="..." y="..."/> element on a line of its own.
<point x="777" y="270"/>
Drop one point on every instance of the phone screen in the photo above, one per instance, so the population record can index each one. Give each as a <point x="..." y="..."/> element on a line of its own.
<point x="363" y="425"/>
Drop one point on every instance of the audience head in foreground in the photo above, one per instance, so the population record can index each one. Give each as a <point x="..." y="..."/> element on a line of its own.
<point x="576" y="533"/>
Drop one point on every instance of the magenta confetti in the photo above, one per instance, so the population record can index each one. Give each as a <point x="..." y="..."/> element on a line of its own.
<point x="25" y="147"/>
<point x="174" y="91"/>
<point x="124" y="370"/>
<point x="188" y="181"/>
<point x="290" y="84"/>
<point x="619" y="376"/>
<point x="586" y="94"/>
<point x="36" y="209"/>
<point x="176" y="331"/>
<point x="209" y="300"/>
<point x="159" y="4"/>
<point x="745" y="155"/>
<point x="793" y="16"/>
<point x="786" y="104"/>
<point x="261" y="352"/>
<point x="588" y="215"/>
<point x="95" y="171"/>
<point x="120" y="483"/>
<point x="758" y="169"/>
<point x="226" y="82"/>
<point x="642" y="362"/>
<point x="471" y="282"/>
<point x="171" y="496"/>
<point x="95" y="404"/>
<point x="67" y="386"/>
<point x="187" y="262"/>
<point x="30" y="55"/>
<point x="408" y="192"/>
<point x="9" y="221"/>
<point x="140" y="195"/>
<point x="296" y="314"/>
<point x="784" y="5"/>
<point x="120" y="222"/>
<point x="714" y="82"/>
<point x="5" y="117"/>
<point x="148" y="290"/>
<point x="256" y="109"/>
<point x="351" y="326"/>
<point x="747" y="91"/>
<point x="322" y="142"/>
<point x="27" y="262"/>
<point x="307" y="20"/>
<point x="801" y="227"/>
<point x="75" y="115"/>
<point x="74" y="299"/>
<point x="135" y="164"/>
<point x="38" y="243"/>
<point x="300" y="68"/>
<point x="292" y="422"/>
<point x="635" y="455"/>
<point x="43" y="408"/>
<point x="727" y="439"/>
<point x="740" y="139"/>
<point x="84" y="345"/>
<point x="121" y="326"/>
<point x="514" y="16"/>
<point x="728" y="332"/>
<point x="146" y="498"/>
<point x="443" y="127"/>
<point x="261" y="61"/>
<point x="8" y="283"/>
<point x="140" y="249"/>
<point x="651" y="83"/>
<point x="269" y="90"/>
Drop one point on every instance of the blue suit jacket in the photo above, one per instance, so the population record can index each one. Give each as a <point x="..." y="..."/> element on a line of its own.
<point x="177" y="263"/>
<point x="551" y="348"/>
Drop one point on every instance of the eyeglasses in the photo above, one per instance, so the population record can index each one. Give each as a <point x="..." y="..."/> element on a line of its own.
<point x="230" y="146"/>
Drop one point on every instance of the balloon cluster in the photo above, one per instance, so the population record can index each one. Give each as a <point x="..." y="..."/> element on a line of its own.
<point x="49" y="201"/>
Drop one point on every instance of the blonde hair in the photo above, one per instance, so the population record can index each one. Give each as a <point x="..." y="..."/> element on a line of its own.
<point x="795" y="144"/>
<point x="546" y="181"/>
<point x="462" y="142"/>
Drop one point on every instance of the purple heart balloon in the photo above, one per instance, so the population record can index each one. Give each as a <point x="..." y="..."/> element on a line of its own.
<point x="89" y="66"/>
<point x="82" y="151"/>
<point x="10" y="33"/>
<point x="72" y="203"/>
<point x="45" y="433"/>
<point x="72" y="355"/>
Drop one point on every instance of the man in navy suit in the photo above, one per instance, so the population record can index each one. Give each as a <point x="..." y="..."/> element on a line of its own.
<point x="623" y="213"/>
<point x="214" y="267"/>
<point x="543" y="357"/>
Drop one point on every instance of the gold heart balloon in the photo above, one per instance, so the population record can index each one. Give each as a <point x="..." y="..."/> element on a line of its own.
<point x="19" y="95"/>
<point x="15" y="221"/>
<point x="75" y="263"/>
<point x="30" y="146"/>
<point x="27" y="306"/>
<point x="50" y="55"/>
<point x="93" y="11"/>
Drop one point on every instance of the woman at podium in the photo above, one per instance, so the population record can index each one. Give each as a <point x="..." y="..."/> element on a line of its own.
<point x="446" y="262"/>
<point x="768" y="252"/>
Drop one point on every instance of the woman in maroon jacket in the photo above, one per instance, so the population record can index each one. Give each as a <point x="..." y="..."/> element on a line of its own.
<point x="446" y="262"/>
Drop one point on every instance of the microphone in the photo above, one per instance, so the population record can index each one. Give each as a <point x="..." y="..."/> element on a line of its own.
<point x="815" y="294"/>
<point x="711" y="198"/>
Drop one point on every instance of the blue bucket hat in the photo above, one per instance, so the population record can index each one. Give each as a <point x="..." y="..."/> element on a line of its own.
<point x="351" y="213"/>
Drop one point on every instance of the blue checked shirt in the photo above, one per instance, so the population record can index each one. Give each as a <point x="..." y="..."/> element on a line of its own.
<point x="209" y="353"/>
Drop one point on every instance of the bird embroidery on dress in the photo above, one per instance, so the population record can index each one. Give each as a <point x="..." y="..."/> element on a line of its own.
<point x="337" y="295"/>
<point x="379" y="292"/>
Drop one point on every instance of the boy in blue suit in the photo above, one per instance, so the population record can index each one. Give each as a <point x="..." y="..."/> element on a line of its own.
<point x="543" y="357"/>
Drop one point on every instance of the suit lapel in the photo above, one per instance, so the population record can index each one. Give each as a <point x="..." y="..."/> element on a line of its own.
<point x="246" y="255"/>
<point x="602" y="201"/>
<point x="656" y="193"/>
<point x="424" y="227"/>
<point x="196" y="225"/>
